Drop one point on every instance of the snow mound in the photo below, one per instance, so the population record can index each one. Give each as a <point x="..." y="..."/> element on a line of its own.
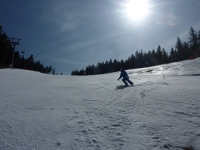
<point x="47" y="112"/>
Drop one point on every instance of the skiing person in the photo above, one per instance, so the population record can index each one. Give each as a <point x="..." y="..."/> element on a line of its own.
<point x="125" y="77"/>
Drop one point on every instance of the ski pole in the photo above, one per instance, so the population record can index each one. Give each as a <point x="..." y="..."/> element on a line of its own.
<point x="120" y="81"/>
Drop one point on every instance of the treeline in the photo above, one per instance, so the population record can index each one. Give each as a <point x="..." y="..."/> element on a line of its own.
<point x="181" y="51"/>
<point x="6" y="56"/>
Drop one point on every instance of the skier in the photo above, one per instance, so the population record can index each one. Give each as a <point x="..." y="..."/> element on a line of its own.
<point x="125" y="77"/>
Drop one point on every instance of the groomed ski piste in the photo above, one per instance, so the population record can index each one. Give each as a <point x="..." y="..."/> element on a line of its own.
<point x="48" y="112"/>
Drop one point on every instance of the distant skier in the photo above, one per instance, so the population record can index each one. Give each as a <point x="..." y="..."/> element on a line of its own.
<point x="125" y="77"/>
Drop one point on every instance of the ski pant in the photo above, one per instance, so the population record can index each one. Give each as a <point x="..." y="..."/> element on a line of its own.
<point x="127" y="79"/>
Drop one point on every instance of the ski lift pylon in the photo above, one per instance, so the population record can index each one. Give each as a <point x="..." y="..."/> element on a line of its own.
<point x="23" y="51"/>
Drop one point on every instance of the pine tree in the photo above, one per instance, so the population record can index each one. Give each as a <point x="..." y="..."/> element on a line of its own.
<point x="165" y="58"/>
<point x="132" y="61"/>
<point x="150" y="60"/>
<point x="198" y="41"/>
<point x="179" y="48"/>
<point x="172" y="55"/>
<point x="99" y="68"/>
<point x="115" y="65"/>
<point x="140" y="62"/>
<point x="82" y="72"/>
<point x="181" y="51"/>
<point x="186" y="50"/>
<point x="6" y="49"/>
<point x="110" y="66"/>
<point x="193" y="42"/>
<point x="159" y="54"/>
<point x="146" y="58"/>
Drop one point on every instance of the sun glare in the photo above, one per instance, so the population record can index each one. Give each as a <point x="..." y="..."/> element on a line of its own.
<point x="137" y="9"/>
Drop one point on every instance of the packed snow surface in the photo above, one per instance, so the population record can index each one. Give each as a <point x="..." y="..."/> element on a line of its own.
<point x="48" y="112"/>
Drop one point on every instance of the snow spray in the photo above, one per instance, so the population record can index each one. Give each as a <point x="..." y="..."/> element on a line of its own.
<point x="163" y="72"/>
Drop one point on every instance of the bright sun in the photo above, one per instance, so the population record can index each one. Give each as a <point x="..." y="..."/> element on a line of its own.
<point x="137" y="9"/>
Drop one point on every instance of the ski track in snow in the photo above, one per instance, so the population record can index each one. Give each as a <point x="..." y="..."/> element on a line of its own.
<point x="40" y="111"/>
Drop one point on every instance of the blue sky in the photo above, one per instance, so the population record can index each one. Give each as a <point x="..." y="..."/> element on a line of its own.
<point x="73" y="34"/>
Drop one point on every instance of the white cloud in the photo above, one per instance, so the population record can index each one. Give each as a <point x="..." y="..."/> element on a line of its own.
<point x="62" y="16"/>
<point x="172" y="19"/>
<point x="64" y="61"/>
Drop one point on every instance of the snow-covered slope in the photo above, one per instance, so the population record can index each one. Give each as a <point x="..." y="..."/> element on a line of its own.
<point x="46" y="112"/>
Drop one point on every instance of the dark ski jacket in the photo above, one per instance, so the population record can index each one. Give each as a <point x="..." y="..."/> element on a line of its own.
<point x="123" y="74"/>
